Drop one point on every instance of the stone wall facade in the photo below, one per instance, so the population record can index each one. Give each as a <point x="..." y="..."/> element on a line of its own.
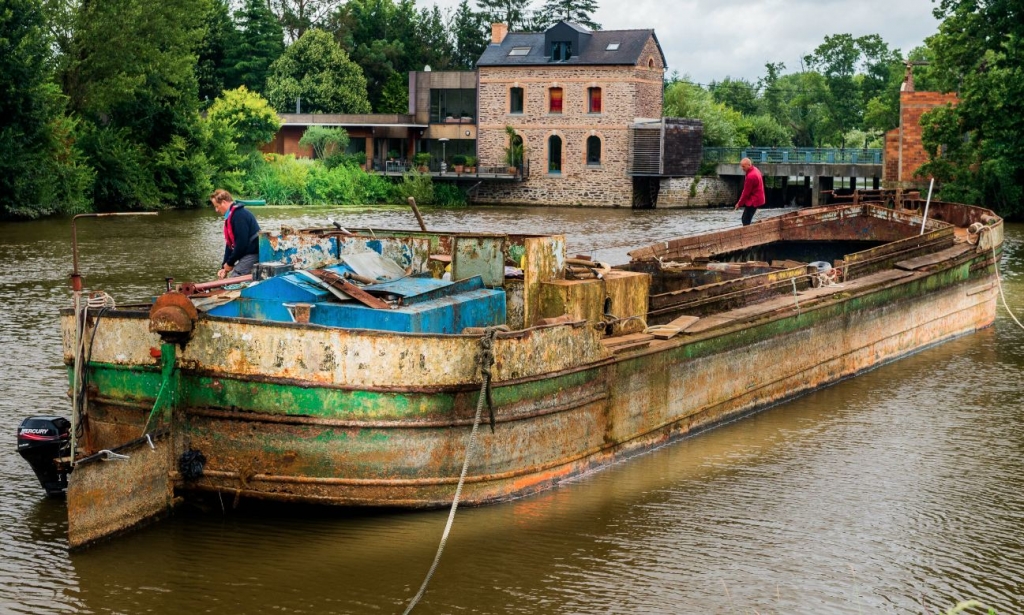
<point x="627" y="93"/>
<point x="679" y="192"/>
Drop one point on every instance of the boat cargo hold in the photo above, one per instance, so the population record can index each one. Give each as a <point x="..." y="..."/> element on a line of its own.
<point x="351" y="371"/>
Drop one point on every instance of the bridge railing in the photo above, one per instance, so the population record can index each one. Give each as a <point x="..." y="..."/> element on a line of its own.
<point x="793" y="155"/>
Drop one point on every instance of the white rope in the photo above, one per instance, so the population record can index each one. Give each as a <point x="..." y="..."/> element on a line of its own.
<point x="109" y="455"/>
<point x="999" y="280"/>
<point x="486" y="360"/>
<point x="100" y="299"/>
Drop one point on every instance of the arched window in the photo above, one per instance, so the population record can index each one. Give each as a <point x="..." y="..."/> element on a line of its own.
<point x="554" y="154"/>
<point x="650" y="63"/>
<point x="593" y="100"/>
<point x="555" y="100"/>
<point x="593" y="150"/>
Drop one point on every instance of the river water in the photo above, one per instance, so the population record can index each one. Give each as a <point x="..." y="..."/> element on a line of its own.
<point x="899" y="491"/>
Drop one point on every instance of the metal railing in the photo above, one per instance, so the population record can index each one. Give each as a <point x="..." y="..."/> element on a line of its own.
<point x="401" y="167"/>
<point x="793" y="155"/>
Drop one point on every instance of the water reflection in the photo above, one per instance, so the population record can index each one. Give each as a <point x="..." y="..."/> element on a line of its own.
<point x="897" y="491"/>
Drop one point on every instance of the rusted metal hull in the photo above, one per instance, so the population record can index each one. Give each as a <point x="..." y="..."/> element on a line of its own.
<point x="294" y="412"/>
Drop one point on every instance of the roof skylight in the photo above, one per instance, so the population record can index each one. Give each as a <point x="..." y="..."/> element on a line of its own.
<point x="612" y="47"/>
<point x="519" y="51"/>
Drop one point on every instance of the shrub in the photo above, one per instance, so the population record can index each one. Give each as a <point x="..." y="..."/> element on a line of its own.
<point x="416" y="185"/>
<point x="448" y="195"/>
<point x="328" y="143"/>
<point x="335" y="186"/>
<point x="421" y="159"/>
<point x="458" y="159"/>
<point x="373" y="189"/>
<point x="248" y="115"/>
<point x="282" y="182"/>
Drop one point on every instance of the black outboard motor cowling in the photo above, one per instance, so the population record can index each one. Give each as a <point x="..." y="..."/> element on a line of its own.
<point x="42" y="441"/>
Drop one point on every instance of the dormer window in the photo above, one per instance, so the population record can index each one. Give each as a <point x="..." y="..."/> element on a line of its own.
<point x="519" y="51"/>
<point x="612" y="47"/>
<point x="561" y="51"/>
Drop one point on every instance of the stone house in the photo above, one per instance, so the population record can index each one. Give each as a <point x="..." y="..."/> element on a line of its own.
<point x="571" y="96"/>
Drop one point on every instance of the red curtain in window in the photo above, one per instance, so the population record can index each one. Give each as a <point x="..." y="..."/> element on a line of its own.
<point x="556" y="100"/>
<point x="595" y="100"/>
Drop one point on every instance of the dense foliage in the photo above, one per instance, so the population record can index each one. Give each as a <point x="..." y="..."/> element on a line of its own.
<point x="978" y="145"/>
<point x="316" y="71"/>
<point x="101" y="103"/>
<point x="41" y="168"/>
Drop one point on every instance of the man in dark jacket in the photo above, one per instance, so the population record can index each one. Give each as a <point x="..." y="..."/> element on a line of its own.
<point x="241" y="246"/>
<point x="753" y="191"/>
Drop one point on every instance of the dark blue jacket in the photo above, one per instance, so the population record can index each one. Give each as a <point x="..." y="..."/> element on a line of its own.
<point x="246" y="231"/>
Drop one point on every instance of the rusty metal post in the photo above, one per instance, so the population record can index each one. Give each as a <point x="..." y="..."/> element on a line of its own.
<point x="416" y="210"/>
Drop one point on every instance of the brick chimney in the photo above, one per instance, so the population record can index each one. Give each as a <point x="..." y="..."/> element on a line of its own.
<point x="498" y="32"/>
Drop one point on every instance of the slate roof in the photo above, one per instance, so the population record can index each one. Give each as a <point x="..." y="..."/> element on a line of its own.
<point x="631" y="44"/>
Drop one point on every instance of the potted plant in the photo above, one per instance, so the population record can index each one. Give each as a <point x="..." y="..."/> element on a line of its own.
<point x="459" y="161"/>
<point x="393" y="154"/>
<point x="513" y="151"/>
<point x="470" y="164"/>
<point x="421" y="160"/>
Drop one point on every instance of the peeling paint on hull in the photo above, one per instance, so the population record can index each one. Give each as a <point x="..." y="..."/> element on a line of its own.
<point x="305" y="413"/>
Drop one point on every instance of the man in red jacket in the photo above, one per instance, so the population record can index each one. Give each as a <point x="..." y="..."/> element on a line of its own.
<point x="752" y="196"/>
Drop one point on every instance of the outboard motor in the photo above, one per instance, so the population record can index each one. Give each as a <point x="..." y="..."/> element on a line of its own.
<point x="43" y="441"/>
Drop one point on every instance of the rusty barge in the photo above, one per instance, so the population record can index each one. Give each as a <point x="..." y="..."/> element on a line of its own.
<point x="349" y="375"/>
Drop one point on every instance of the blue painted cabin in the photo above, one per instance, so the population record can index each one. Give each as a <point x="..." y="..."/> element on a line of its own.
<point x="422" y="304"/>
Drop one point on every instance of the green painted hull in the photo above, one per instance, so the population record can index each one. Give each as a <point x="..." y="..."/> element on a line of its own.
<point x="291" y="412"/>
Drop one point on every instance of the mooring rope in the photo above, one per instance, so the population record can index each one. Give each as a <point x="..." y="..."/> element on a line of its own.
<point x="999" y="279"/>
<point x="486" y="360"/>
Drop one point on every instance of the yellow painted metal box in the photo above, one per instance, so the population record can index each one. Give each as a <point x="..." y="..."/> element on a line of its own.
<point x="627" y="293"/>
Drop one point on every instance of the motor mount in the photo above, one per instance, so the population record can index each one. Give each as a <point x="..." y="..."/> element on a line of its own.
<point x="44" y="441"/>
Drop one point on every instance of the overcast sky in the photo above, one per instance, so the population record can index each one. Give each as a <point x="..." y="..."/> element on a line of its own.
<point x="712" y="39"/>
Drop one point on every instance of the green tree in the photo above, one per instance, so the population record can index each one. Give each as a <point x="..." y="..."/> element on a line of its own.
<point x="765" y="131"/>
<point x="298" y="16"/>
<point x="837" y="60"/>
<point x="513" y="13"/>
<point x="383" y="38"/>
<point x="433" y="45"/>
<point x="41" y="169"/>
<point x="802" y="107"/>
<point x="722" y="124"/>
<point x="470" y="34"/>
<point x="131" y="78"/>
<point x="260" y="43"/>
<point x="394" y="97"/>
<point x="979" y="51"/>
<point x="251" y="120"/>
<point x="328" y="143"/>
<point x="576" y="11"/>
<point x="214" y="52"/>
<point x="739" y="94"/>
<point x="319" y="71"/>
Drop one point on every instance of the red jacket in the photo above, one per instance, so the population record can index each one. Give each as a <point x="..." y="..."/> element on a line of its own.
<point x="753" y="189"/>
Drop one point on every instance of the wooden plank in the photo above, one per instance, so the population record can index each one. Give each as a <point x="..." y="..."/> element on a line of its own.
<point x="684" y="322"/>
<point x="332" y="279"/>
<point x="622" y="340"/>
<point x="629" y="347"/>
<point x="709" y="322"/>
<point x="921" y="262"/>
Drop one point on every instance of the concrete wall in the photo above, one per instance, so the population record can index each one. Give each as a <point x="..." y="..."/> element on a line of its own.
<point x="709" y="191"/>
<point x="627" y="92"/>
